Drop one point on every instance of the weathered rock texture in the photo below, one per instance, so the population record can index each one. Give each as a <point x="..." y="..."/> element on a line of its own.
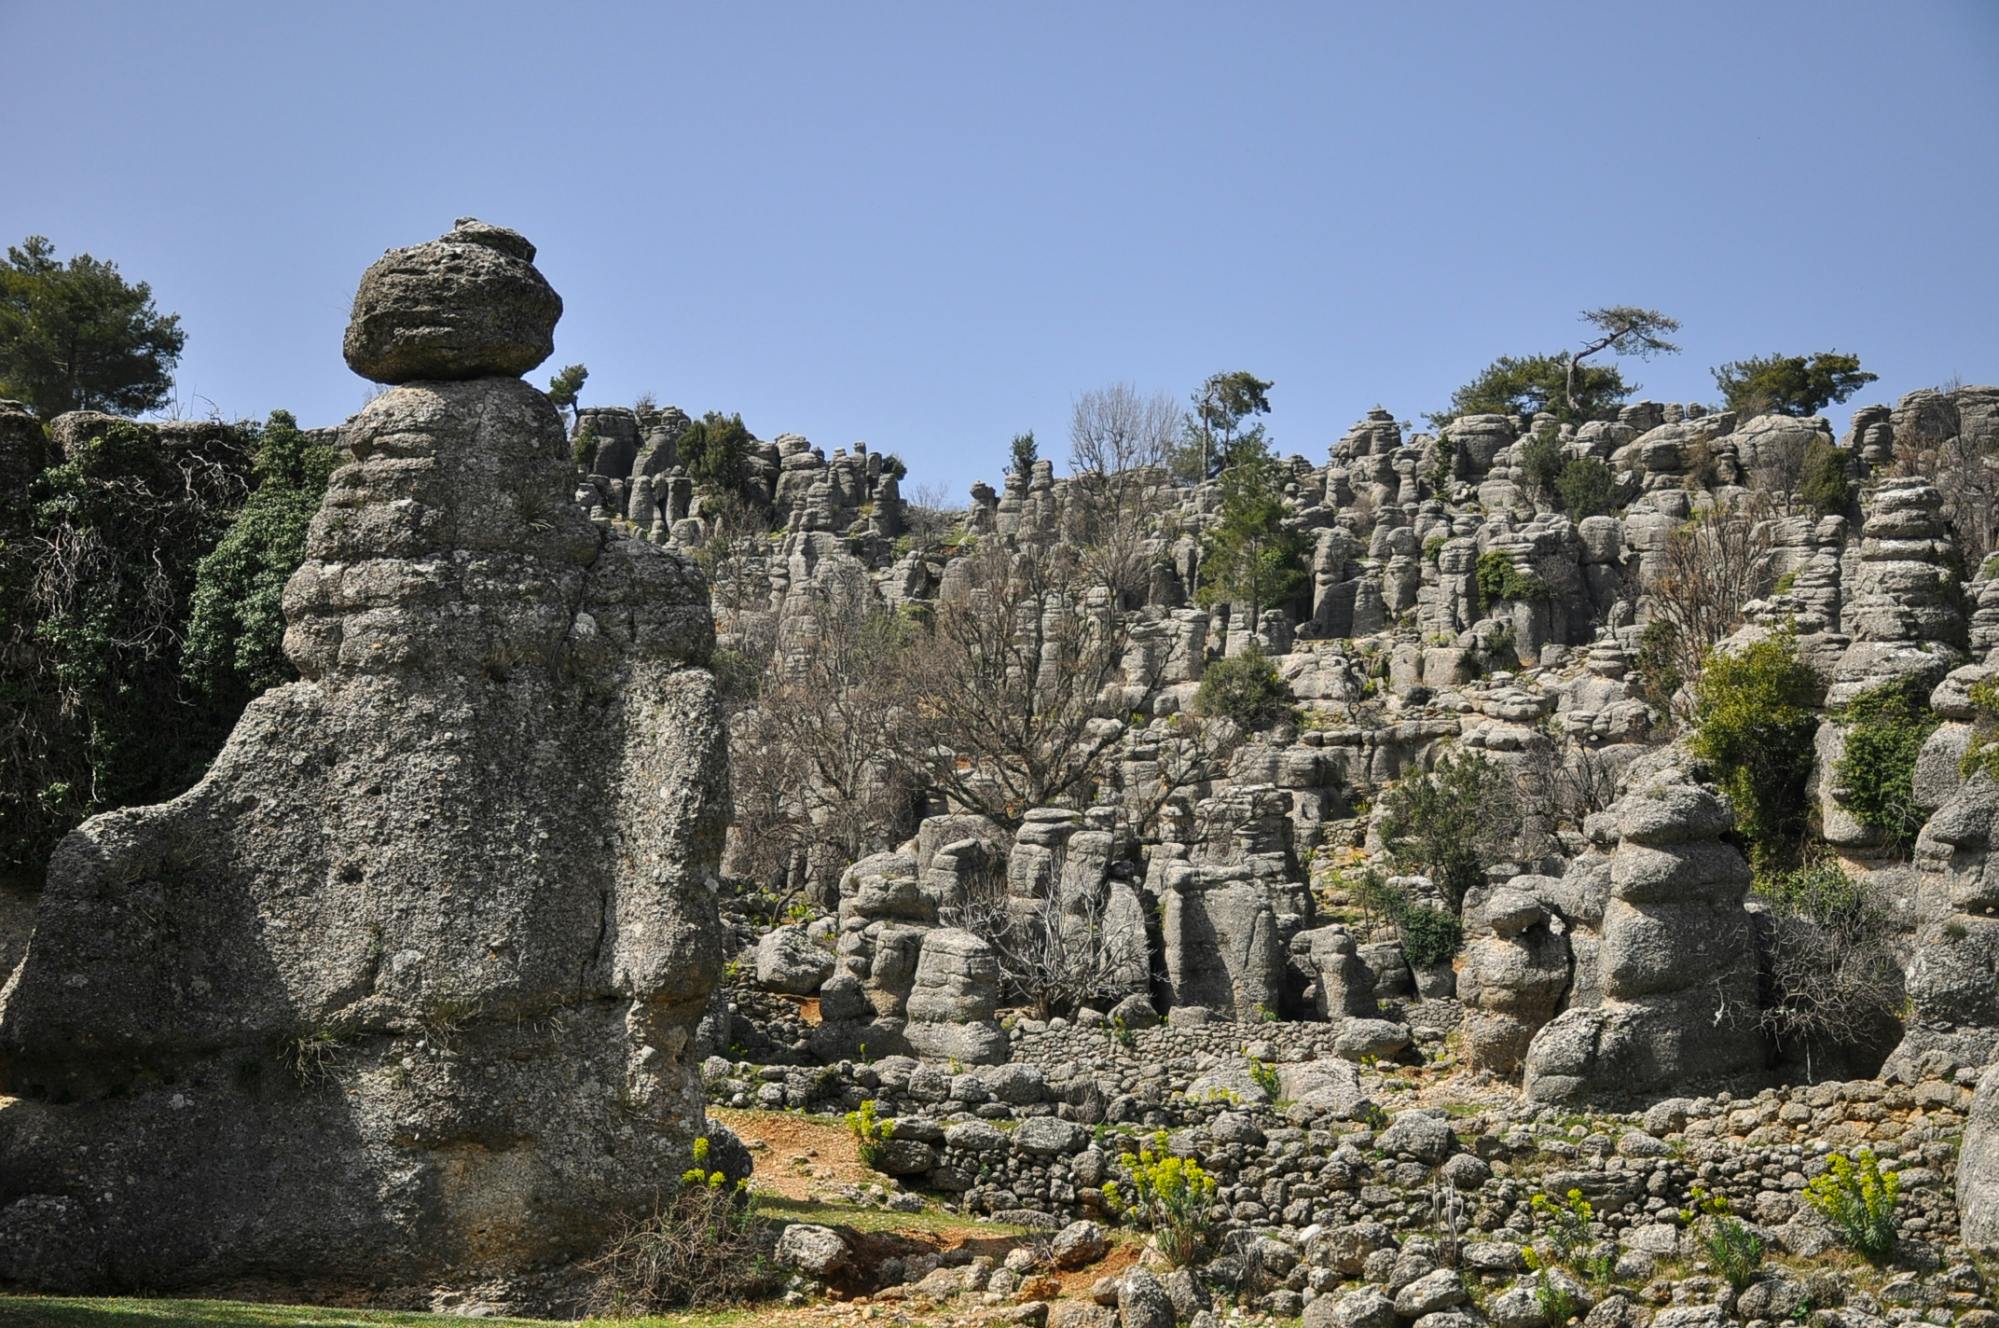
<point x="1677" y="958"/>
<point x="404" y="987"/>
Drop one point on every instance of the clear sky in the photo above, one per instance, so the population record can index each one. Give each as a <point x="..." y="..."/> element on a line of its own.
<point x="929" y="225"/>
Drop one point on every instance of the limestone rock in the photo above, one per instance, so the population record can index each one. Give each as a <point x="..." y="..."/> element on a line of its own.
<point x="467" y="305"/>
<point x="381" y="998"/>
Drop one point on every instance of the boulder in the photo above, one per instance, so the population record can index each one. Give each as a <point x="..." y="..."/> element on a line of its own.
<point x="790" y="961"/>
<point x="467" y="305"/>
<point x="380" y="1000"/>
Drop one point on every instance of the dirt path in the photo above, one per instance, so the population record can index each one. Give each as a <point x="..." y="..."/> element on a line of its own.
<point x="799" y="1158"/>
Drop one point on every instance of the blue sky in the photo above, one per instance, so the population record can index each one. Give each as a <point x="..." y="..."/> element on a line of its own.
<point x="931" y="225"/>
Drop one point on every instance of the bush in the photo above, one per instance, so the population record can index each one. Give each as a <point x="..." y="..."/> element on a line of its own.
<point x="1245" y="689"/>
<point x="1981" y="756"/>
<point x="1885" y="730"/>
<point x="704" y="1244"/>
<point x="1430" y="936"/>
<point x="1449" y="823"/>
<point x="1587" y="488"/>
<point x="1755" y="716"/>
<point x="1830" y="959"/>
<point x="1859" y="1199"/>
<point x="236" y="629"/>
<point x="1498" y="579"/>
<point x="1730" y="1245"/>
<point x="98" y="556"/>
<point x="1167" y="1195"/>
<point x="870" y="1132"/>
<point x="1822" y="481"/>
<point x="1541" y="460"/>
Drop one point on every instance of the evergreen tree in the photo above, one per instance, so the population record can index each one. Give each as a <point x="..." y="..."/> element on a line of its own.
<point x="78" y="336"/>
<point x="1789" y="384"/>
<point x="1251" y="556"/>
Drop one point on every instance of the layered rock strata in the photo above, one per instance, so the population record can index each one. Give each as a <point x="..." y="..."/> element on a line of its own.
<point x="404" y="988"/>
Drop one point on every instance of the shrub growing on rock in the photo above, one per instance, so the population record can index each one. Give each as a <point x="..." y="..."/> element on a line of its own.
<point x="1499" y="579"/>
<point x="704" y="1244"/>
<point x="1246" y="690"/>
<point x="1830" y="960"/>
<point x="1168" y="1195"/>
<point x="1859" y="1199"/>
<point x="1822" y="484"/>
<point x="1735" y="1250"/>
<point x="1450" y="822"/>
<point x="236" y="629"/>
<point x="1587" y="488"/>
<point x="1755" y="716"/>
<point x="1886" y="727"/>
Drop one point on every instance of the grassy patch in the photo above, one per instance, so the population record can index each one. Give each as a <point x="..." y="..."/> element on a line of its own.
<point x="121" y="1311"/>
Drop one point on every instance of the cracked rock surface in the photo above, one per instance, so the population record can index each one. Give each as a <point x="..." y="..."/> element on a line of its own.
<point x="405" y="987"/>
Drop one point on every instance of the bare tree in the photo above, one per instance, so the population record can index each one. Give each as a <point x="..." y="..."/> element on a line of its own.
<point x="816" y="772"/>
<point x="1119" y="444"/>
<point x="1060" y="950"/>
<point x="1714" y="564"/>
<point x="1833" y="982"/>
<point x="1019" y="687"/>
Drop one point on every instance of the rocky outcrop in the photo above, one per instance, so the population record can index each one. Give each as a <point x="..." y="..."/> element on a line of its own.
<point x="1677" y="960"/>
<point x="403" y="989"/>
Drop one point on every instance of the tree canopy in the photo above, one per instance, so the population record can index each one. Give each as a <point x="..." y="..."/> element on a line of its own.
<point x="1789" y="384"/>
<point x="1219" y="423"/>
<point x="565" y="385"/>
<point x="1251" y="556"/>
<point x="78" y="336"/>
<point x="716" y="449"/>
<point x="1527" y="385"/>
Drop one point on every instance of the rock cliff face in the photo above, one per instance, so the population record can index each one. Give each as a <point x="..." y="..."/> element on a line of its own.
<point x="404" y="988"/>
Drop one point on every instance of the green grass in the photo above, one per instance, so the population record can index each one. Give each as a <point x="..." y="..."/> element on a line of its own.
<point x="120" y="1311"/>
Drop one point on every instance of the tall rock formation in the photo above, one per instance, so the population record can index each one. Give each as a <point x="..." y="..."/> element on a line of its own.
<point x="404" y="988"/>
<point x="1676" y="960"/>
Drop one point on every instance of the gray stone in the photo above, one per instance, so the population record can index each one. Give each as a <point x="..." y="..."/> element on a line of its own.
<point x="1365" y="1307"/>
<point x="1142" y="1302"/>
<point x="1420" y="1134"/>
<point x="438" y="923"/>
<point x="467" y="305"/>
<point x="1049" y="1136"/>
<point x="1078" y="1245"/>
<point x="788" y="960"/>
<point x="1430" y="1293"/>
<point x="813" y="1250"/>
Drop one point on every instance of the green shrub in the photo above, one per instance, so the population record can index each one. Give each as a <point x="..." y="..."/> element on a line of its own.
<point x="1434" y="546"/>
<point x="1859" y="1199"/>
<point x="1981" y="756"/>
<point x="1169" y="1196"/>
<point x="870" y="1131"/>
<point x="1731" y="1246"/>
<point x="1822" y="482"/>
<point x="1885" y="729"/>
<point x="583" y="448"/>
<point x="1245" y="688"/>
<point x="236" y="627"/>
<point x="98" y="556"/>
<point x="705" y="1244"/>
<point x="1449" y="823"/>
<point x="1587" y="488"/>
<point x="1498" y="579"/>
<point x="1430" y="936"/>
<point x="1755" y="716"/>
<point x="1264" y="1075"/>
<point x="1541" y="459"/>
